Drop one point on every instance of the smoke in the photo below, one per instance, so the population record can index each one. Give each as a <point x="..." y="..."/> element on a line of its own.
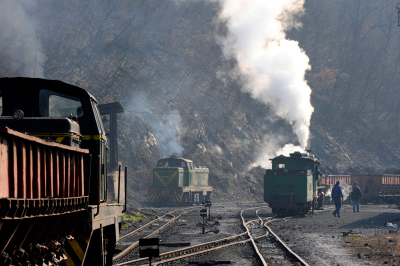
<point x="167" y="128"/>
<point x="271" y="67"/>
<point x="272" y="148"/>
<point x="18" y="38"/>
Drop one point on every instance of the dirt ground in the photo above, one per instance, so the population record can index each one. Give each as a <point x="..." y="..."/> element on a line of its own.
<point x="357" y="238"/>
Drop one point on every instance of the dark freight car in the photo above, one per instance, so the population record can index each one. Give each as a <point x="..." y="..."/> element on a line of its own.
<point x="178" y="180"/>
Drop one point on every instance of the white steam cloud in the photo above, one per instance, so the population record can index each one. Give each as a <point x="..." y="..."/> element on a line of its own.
<point x="273" y="67"/>
<point x="19" y="40"/>
<point x="167" y="128"/>
<point x="272" y="148"/>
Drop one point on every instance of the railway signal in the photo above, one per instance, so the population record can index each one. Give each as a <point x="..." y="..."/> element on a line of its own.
<point x="203" y="213"/>
<point x="149" y="248"/>
<point x="208" y="204"/>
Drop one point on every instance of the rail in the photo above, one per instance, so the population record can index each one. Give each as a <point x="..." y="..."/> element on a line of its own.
<point x="135" y="244"/>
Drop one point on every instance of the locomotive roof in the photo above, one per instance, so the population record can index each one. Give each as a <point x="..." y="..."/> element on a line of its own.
<point x="24" y="84"/>
<point x="173" y="158"/>
<point x="297" y="155"/>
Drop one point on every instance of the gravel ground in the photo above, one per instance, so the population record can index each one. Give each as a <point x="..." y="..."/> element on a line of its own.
<point x="319" y="239"/>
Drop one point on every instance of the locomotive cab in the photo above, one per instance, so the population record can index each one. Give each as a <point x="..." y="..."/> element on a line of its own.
<point x="65" y="117"/>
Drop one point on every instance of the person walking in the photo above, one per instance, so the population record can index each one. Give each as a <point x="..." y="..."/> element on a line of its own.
<point x="337" y="197"/>
<point x="356" y="195"/>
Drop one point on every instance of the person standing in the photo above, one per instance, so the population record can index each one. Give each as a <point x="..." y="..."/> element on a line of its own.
<point x="317" y="172"/>
<point x="337" y="197"/>
<point x="356" y="195"/>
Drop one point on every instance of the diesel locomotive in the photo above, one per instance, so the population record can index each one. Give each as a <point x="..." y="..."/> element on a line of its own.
<point x="290" y="187"/>
<point x="177" y="180"/>
<point x="53" y="187"/>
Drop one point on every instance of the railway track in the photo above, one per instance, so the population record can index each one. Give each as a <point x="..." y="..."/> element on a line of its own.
<point x="168" y="218"/>
<point x="257" y="233"/>
<point x="273" y="246"/>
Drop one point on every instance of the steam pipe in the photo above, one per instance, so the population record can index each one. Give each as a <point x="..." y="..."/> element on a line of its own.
<point x="90" y="175"/>
<point x="119" y="181"/>
<point x="126" y="185"/>
<point x="98" y="187"/>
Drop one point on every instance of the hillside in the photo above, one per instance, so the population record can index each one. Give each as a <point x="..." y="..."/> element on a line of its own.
<point x="166" y="63"/>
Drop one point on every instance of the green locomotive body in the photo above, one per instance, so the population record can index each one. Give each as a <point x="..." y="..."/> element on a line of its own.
<point x="290" y="186"/>
<point x="178" y="180"/>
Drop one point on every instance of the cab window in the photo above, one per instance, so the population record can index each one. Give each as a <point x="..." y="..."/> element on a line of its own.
<point x="53" y="104"/>
<point x="162" y="164"/>
<point x="280" y="166"/>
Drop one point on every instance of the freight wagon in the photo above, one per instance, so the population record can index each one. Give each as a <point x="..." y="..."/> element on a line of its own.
<point x="53" y="193"/>
<point x="375" y="188"/>
<point x="379" y="188"/>
<point x="290" y="186"/>
<point x="177" y="180"/>
<point x="328" y="181"/>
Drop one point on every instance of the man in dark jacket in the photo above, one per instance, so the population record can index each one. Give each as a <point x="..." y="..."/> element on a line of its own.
<point x="317" y="172"/>
<point x="337" y="197"/>
<point x="356" y="195"/>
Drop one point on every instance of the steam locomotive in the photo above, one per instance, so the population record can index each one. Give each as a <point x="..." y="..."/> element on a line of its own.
<point x="177" y="180"/>
<point x="290" y="186"/>
<point x="53" y="193"/>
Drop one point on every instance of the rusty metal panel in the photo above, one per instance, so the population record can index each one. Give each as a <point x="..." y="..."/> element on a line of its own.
<point x="77" y="176"/>
<point x="14" y="173"/>
<point x="56" y="175"/>
<point x="29" y="172"/>
<point x="36" y="187"/>
<point x="43" y="176"/>
<point x="332" y="179"/>
<point x="370" y="185"/>
<point x="67" y="175"/>
<point x="49" y="169"/>
<point x="4" y="187"/>
<point x="391" y="179"/>
<point x="21" y="171"/>
<point x="72" y="175"/>
<point x="82" y="179"/>
<point x="62" y="175"/>
<point x="31" y="168"/>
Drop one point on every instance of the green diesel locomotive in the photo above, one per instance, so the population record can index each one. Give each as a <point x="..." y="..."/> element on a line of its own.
<point x="290" y="187"/>
<point x="177" y="180"/>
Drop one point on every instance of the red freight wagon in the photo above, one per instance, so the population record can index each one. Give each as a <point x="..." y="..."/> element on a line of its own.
<point x="332" y="179"/>
<point x="328" y="181"/>
<point x="378" y="188"/>
<point x="35" y="173"/>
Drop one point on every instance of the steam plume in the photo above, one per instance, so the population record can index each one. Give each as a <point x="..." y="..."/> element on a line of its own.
<point x="18" y="38"/>
<point x="272" y="66"/>
<point x="167" y="128"/>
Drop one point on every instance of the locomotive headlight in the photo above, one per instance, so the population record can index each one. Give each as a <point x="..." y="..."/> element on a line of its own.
<point x="18" y="115"/>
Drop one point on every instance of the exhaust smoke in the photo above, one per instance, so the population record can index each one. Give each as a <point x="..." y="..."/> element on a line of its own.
<point x="19" y="40"/>
<point x="167" y="128"/>
<point x="271" y="67"/>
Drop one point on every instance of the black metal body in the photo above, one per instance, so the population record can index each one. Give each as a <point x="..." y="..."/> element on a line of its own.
<point x="49" y="115"/>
